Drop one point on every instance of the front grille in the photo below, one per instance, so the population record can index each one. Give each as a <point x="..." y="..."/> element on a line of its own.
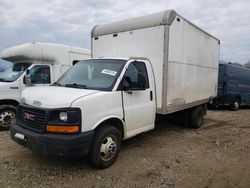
<point x="31" y="118"/>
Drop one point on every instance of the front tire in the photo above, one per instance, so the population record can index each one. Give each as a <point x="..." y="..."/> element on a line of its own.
<point x="7" y="114"/>
<point x="105" y="147"/>
<point x="235" y="106"/>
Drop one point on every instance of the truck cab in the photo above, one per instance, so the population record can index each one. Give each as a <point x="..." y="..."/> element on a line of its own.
<point x="45" y="62"/>
<point x="102" y="101"/>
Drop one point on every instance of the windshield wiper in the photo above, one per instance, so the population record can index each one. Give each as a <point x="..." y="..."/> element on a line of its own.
<point x="74" y="85"/>
<point x="56" y="84"/>
<point x="3" y="80"/>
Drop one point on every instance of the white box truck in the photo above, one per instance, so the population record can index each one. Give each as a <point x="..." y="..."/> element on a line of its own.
<point x="155" y="64"/>
<point x="46" y="62"/>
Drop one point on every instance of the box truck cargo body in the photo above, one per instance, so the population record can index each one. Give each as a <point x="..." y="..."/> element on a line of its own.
<point x="159" y="63"/>
<point x="184" y="57"/>
<point x="46" y="63"/>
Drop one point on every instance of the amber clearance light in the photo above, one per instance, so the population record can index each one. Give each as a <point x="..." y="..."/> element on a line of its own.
<point x="62" y="129"/>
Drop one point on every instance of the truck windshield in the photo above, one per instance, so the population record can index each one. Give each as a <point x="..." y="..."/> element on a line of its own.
<point x="11" y="74"/>
<point x="98" y="74"/>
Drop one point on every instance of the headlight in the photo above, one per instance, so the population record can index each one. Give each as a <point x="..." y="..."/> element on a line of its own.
<point x="63" y="116"/>
<point x="66" y="120"/>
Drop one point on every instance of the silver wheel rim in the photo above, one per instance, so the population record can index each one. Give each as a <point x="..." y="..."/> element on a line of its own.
<point x="236" y="105"/>
<point x="6" y="117"/>
<point x="108" y="148"/>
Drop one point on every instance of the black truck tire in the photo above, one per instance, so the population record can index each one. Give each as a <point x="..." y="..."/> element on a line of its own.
<point x="105" y="147"/>
<point x="196" y="117"/>
<point x="7" y="114"/>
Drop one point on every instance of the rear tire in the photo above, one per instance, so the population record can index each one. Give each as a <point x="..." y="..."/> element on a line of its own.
<point x="196" y="117"/>
<point x="105" y="147"/>
<point x="7" y="114"/>
<point x="235" y="106"/>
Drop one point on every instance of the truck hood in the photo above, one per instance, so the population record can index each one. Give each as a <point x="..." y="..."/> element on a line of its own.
<point x="53" y="96"/>
<point x="5" y="86"/>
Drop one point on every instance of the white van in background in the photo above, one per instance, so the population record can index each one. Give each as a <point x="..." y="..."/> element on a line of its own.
<point x="46" y="63"/>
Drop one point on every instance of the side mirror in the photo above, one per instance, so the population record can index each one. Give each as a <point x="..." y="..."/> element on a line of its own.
<point x="27" y="71"/>
<point x="27" y="78"/>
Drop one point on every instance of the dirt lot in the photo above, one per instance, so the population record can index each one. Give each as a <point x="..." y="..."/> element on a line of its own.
<point x="216" y="155"/>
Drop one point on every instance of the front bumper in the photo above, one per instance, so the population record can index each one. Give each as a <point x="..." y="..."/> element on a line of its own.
<point x="53" y="144"/>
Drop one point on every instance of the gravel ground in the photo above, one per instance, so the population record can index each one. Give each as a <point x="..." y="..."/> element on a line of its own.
<point x="216" y="155"/>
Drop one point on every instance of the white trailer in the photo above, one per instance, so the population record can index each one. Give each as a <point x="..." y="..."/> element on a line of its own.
<point x="159" y="63"/>
<point x="46" y="62"/>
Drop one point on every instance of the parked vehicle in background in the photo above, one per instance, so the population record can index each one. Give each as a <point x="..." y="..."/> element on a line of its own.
<point x="155" y="64"/>
<point x="1" y="70"/>
<point x="233" y="86"/>
<point x="46" y="62"/>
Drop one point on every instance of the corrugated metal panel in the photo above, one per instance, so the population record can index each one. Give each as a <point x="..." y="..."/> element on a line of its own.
<point x="193" y="65"/>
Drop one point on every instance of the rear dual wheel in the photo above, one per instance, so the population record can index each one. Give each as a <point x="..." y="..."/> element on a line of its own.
<point x="196" y="117"/>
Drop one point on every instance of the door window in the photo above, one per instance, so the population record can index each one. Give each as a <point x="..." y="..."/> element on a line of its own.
<point x="40" y="74"/>
<point x="136" y="76"/>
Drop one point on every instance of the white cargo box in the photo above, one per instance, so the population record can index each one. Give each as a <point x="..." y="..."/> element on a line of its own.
<point x="184" y="57"/>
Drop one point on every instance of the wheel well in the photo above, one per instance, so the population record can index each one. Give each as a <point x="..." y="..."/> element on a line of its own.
<point x="9" y="102"/>
<point x="117" y="123"/>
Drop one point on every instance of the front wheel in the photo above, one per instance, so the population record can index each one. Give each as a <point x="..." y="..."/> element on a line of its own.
<point x="105" y="147"/>
<point x="7" y="114"/>
<point x="235" y="105"/>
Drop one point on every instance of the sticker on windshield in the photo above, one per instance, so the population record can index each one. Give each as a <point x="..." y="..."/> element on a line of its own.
<point x="109" y="72"/>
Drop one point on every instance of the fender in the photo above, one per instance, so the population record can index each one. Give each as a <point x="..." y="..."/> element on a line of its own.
<point x="98" y="123"/>
<point x="9" y="102"/>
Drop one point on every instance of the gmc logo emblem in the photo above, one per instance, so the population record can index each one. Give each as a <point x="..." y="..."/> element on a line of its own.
<point x="28" y="116"/>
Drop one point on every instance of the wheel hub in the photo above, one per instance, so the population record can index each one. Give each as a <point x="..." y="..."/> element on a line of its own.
<point x="5" y="118"/>
<point x="108" y="148"/>
<point x="111" y="148"/>
<point x="236" y="104"/>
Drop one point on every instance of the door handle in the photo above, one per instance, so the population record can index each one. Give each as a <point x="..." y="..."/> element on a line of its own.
<point x="151" y="95"/>
<point x="14" y="87"/>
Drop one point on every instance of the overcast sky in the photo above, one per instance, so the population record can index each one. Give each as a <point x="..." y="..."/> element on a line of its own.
<point x="70" y="21"/>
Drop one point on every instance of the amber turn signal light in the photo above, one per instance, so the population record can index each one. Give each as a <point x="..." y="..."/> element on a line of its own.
<point x="62" y="129"/>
